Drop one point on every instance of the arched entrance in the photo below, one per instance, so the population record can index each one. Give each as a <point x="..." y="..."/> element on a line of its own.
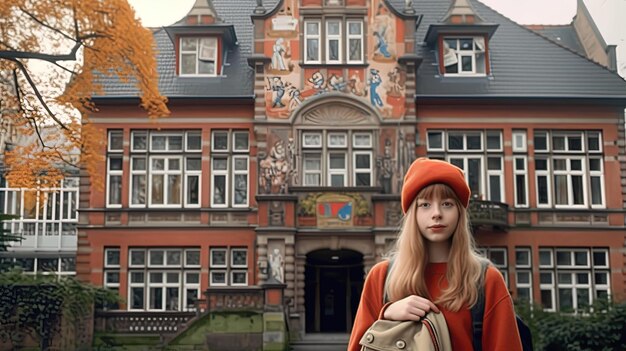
<point x="333" y="285"/>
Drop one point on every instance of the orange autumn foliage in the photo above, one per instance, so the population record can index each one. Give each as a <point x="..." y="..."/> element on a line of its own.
<point x="51" y="53"/>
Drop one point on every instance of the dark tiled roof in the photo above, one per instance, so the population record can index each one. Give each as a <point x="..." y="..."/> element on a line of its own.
<point x="237" y="78"/>
<point x="523" y="64"/>
<point x="563" y="35"/>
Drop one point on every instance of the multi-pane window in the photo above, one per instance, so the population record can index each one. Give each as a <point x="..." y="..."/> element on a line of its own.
<point x="198" y="56"/>
<point x="228" y="266"/>
<point x="348" y="160"/>
<point x="464" y="56"/>
<point x="112" y="270"/>
<point x="41" y="212"/>
<point x="523" y="274"/>
<point x="58" y="265"/>
<point x="571" y="279"/>
<point x="165" y="169"/>
<point x="479" y="153"/>
<point x="114" y="168"/>
<point x="229" y="168"/>
<point x="163" y="279"/>
<point x="569" y="169"/>
<point x="498" y="257"/>
<point x="521" y="181"/>
<point x="337" y="40"/>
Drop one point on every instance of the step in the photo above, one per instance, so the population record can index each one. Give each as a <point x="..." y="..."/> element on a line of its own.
<point x="321" y="342"/>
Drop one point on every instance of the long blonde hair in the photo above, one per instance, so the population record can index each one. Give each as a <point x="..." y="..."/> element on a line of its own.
<point x="411" y="257"/>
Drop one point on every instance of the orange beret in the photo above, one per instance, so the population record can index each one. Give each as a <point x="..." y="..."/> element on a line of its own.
<point x="424" y="172"/>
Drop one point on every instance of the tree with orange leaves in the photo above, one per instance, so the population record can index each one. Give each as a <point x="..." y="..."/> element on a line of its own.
<point x="44" y="115"/>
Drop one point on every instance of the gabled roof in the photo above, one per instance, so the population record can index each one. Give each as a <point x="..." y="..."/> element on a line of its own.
<point x="237" y="79"/>
<point x="523" y="64"/>
<point x="564" y="34"/>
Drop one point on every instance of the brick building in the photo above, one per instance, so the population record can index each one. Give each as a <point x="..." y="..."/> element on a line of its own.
<point x="293" y="122"/>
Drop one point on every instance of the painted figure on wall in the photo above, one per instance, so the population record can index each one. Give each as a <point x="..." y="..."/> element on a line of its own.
<point x="337" y="83"/>
<point x="397" y="81"/>
<point x="278" y="87"/>
<point x="374" y="83"/>
<point x="318" y="82"/>
<point x="356" y="85"/>
<point x="384" y="34"/>
<point x="295" y="98"/>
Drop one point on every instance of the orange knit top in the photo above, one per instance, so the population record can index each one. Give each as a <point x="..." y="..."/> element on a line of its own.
<point x="499" y="325"/>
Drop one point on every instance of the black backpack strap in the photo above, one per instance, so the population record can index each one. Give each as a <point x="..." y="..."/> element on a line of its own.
<point x="478" y="311"/>
<point x="385" y="297"/>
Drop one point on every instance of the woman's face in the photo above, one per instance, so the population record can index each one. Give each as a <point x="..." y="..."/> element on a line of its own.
<point x="437" y="218"/>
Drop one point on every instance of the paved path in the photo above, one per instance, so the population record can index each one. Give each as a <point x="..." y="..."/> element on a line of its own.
<point x="321" y="342"/>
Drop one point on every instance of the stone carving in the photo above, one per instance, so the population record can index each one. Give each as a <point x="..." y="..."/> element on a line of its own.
<point x="276" y="263"/>
<point x="385" y="168"/>
<point x="275" y="170"/>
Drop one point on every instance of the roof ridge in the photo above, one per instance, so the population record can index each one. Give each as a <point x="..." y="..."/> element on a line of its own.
<point x="615" y="73"/>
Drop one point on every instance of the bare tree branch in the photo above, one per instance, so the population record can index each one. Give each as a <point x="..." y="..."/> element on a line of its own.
<point x="34" y="18"/>
<point x="38" y="94"/>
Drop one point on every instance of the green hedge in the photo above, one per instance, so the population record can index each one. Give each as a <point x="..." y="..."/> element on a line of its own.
<point x="601" y="327"/>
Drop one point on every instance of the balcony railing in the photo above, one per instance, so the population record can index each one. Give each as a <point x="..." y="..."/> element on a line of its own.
<point x="141" y="322"/>
<point x="488" y="213"/>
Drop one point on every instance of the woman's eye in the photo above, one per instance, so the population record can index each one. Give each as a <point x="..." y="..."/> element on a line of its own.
<point x="424" y="204"/>
<point x="448" y="204"/>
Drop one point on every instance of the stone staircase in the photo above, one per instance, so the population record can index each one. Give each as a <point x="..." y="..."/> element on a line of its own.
<point x="321" y="342"/>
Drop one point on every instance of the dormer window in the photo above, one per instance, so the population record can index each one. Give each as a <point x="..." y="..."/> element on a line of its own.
<point x="463" y="56"/>
<point x="198" y="56"/>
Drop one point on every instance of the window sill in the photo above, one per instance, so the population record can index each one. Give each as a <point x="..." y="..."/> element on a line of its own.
<point x="325" y="64"/>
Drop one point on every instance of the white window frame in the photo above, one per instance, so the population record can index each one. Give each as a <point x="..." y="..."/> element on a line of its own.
<point x="167" y="135"/>
<point x="240" y="172"/>
<point x="110" y="136"/>
<point x="189" y="174"/>
<point x="106" y="257"/>
<point x="330" y="37"/>
<point x="566" y="135"/>
<point x="356" y="145"/>
<point x="350" y="37"/>
<point x="499" y="173"/>
<point x="189" y="134"/>
<point x="317" y="37"/>
<point x="519" y="136"/>
<point x="548" y="175"/>
<point x="465" y="134"/>
<point x="187" y="286"/>
<point x="232" y="279"/>
<point x="218" y="271"/>
<point x="130" y="258"/>
<point x="491" y="132"/>
<point x="134" y="172"/>
<point x="466" y="53"/>
<point x="551" y="264"/>
<point x="522" y="172"/>
<point x="444" y="140"/>
<point x="528" y="285"/>
<point x="341" y="137"/>
<point x="114" y="173"/>
<point x="310" y="156"/>
<point x="216" y="133"/>
<point x="197" y="53"/>
<point x="569" y="173"/>
<point x="600" y="145"/>
<point x="549" y="287"/>
<point x="528" y="252"/>
<point x="338" y="171"/>
<point x="189" y="265"/>
<point x="142" y="285"/>
<point x="600" y="175"/>
<point x="226" y="257"/>
<point x="234" y="140"/>
<point x="166" y="172"/>
<point x="139" y="133"/>
<point x="369" y="170"/>
<point x="315" y="136"/>
<point x="482" y="168"/>
<point x="542" y="134"/>
<point x="232" y="257"/>
<point x="572" y="254"/>
<point x="220" y="172"/>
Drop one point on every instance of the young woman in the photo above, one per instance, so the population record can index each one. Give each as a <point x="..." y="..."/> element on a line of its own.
<point x="436" y="268"/>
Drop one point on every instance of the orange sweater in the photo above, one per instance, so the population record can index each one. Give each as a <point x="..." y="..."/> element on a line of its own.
<point x="499" y="325"/>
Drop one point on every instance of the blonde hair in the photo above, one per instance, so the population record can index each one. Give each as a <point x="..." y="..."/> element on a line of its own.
<point x="411" y="257"/>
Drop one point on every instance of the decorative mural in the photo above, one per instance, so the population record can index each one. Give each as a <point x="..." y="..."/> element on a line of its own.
<point x="335" y="209"/>
<point x="381" y="82"/>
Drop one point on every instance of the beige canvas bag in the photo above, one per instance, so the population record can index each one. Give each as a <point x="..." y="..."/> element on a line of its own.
<point x="429" y="334"/>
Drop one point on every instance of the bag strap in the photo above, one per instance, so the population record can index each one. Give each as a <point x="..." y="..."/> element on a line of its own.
<point x="478" y="311"/>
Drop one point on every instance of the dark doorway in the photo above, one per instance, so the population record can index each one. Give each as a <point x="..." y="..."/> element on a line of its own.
<point x="334" y="281"/>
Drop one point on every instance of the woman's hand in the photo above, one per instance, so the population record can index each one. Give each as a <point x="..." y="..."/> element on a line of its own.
<point x="411" y="308"/>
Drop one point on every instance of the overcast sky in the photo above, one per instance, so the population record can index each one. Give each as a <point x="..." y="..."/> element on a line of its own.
<point x="609" y="15"/>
